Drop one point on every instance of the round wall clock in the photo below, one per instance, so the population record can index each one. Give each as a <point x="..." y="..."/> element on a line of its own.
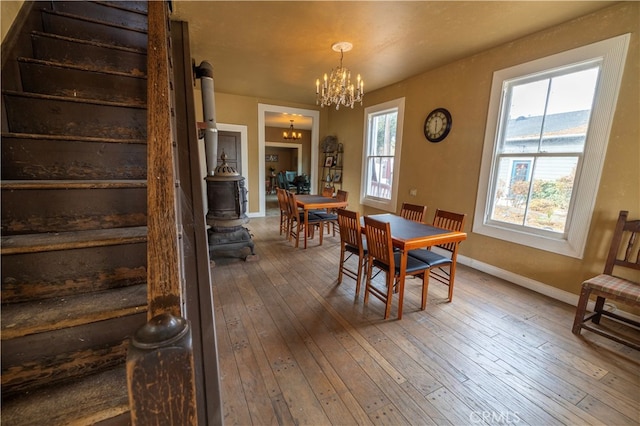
<point x="437" y="125"/>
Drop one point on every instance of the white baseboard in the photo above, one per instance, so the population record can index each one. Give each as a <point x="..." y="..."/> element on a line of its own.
<point x="537" y="286"/>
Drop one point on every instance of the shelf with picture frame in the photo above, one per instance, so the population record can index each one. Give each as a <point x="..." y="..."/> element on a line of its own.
<point x="332" y="164"/>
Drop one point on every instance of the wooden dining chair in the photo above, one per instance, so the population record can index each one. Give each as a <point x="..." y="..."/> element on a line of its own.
<point x="296" y="221"/>
<point x="283" y="204"/>
<point x="380" y="255"/>
<point x="413" y="212"/>
<point x="441" y="267"/>
<point x="351" y="244"/>
<point x="624" y="258"/>
<point x="327" y="191"/>
<point x="331" y="215"/>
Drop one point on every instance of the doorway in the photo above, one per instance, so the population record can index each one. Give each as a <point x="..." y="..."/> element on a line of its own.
<point x="263" y="109"/>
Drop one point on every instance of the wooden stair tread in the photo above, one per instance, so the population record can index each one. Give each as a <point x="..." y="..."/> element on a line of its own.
<point x="70" y="138"/>
<point x="96" y="21"/>
<point x="72" y="184"/>
<point x="87" y="400"/>
<point x="90" y="42"/>
<point x="22" y="319"/>
<point x="32" y="243"/>
<point x="71" y="66"/>
<point x="72" y="99"/>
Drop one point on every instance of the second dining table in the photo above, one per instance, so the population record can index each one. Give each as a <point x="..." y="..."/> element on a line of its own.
<point x="409" y="235"/>
<point x="313" y="202"/>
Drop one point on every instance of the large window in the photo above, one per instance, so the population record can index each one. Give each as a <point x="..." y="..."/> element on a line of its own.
<point x="547" y="133"/>
<point x="381" y="156"/>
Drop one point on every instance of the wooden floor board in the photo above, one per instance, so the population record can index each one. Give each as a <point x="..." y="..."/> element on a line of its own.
<point x="295" y="347"/>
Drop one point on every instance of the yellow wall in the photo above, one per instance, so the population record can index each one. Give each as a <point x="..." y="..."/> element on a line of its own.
<point x="8" y="12"/>
<point x="446" y="174"/>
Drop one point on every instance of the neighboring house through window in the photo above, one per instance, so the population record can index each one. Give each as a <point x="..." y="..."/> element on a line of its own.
<point x="547" y="131"/>
<point x="381" y="156"/>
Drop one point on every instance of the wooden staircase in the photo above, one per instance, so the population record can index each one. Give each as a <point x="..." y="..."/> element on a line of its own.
<point x="74" y="209"/>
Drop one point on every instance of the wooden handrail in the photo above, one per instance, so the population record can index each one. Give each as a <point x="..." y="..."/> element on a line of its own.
<point x="160" y="361"/>
<point x="163" y="260"/>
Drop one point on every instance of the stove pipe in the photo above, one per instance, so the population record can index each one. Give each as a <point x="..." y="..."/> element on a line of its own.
<point x="205" y="73"/>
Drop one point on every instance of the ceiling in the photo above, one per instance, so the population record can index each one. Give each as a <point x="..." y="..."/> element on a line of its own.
<point x="277" y="50"/>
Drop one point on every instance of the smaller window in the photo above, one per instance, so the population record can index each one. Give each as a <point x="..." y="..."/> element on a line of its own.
<point x="381" y="155"/>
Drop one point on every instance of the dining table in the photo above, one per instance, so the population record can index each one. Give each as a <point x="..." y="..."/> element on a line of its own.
<point x="312" y="202"/>
<point x="409" y="235"/>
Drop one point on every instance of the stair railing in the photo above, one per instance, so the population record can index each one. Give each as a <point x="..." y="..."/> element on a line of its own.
<point x="160" y="366"/>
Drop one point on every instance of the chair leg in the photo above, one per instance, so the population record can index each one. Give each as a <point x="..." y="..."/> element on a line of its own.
<point x="581" y="309"/>
<point x="390" y="286"/>
<point x="341" y="264"/>
<point x="361" y="270"/>
<point x="425" y="290"/>
<point x="367" y="282"/>
<point x="452" y="274"/>
<point x="598" y="308"/>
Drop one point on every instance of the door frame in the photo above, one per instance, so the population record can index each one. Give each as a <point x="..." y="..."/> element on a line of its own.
<point x="315" y="131"/>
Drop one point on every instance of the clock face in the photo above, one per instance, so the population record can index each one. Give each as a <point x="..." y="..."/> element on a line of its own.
<point x="437" y="125"/>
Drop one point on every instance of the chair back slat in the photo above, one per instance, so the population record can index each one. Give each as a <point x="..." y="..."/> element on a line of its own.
<point x="625" y="244"/>
<point x="379" y="243"/>
<point x="350" y="231"/>
<point x="451" y="221"/>
<point x="342" y="195"/>
<point x="413" y="212"/>
<point x="327" y="192"/>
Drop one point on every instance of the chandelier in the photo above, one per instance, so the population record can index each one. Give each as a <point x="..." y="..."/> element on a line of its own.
<point x="294" y="136"/>
<point x="337" y="88"/>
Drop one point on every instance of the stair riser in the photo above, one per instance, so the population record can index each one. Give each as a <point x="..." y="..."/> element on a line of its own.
<point x="68" y="117"/>
<point x="37" y="211"/>
<point x="56" y="159"/>
<point x="52" y="80"/>
<point x="103" y="13"/>
<point x="36" y="276"/>
<point x="27" y="362"/>
<point x="88" y="55"/>
<point x="141" y="6"/>
<point x="85" y="30"/>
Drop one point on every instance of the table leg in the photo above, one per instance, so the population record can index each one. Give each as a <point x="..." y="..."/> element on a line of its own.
<point x="401" y="277"/>
<point x="306" y="226"/>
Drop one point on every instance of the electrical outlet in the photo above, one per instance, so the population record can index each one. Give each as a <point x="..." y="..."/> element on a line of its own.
<point x="413" y="192"/>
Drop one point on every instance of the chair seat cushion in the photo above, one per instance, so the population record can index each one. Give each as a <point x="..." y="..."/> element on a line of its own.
<point x="430" y="258"/>
<point x="325" y="215"/>
<point x="413" y="265"/>
<point x="354" y="249"/>
<point x="619" y="287"/>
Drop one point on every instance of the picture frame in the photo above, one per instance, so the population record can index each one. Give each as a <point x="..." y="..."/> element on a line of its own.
<point x="271" y="158"/>
<point x="328" y="161"/>
<point x="337" y="177"/>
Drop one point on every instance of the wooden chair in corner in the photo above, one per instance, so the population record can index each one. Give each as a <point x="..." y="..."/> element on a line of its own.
<point x="413" y="212"/>
<point x="441" y="267"/>
<point x="624" y="254"/>
<point x="351" y="244"/>
<point x="380" y="255"/>
<point x="284" y="210"/>
<point x="296" y="221"/>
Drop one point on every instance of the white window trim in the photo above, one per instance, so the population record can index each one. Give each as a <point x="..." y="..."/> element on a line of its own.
<point x="378" y="203"/>
<point x="613" y="53"/>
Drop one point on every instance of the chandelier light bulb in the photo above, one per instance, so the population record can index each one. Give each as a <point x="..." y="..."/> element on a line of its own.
<point x="337" y="88"/>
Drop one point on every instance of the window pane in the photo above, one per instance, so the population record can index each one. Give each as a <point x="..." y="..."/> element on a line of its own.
<point x="568" y="111"/>
<point x="380" y="177"/>
<point x="511" y="191"/>
<point x="524" y="119"/>
<point x="553" y="180"/>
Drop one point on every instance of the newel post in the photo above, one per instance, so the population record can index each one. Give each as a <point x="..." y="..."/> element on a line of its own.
<point x="160" y="373"/>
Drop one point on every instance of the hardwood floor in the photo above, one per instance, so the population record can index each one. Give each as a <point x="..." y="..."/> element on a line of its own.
<point x="296" y="348"/>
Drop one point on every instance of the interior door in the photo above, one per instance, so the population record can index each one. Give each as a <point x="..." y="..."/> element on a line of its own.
<point x="229" y="142"/>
